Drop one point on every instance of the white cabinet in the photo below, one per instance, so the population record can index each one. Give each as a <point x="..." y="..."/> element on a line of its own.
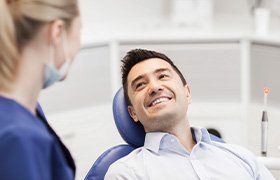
<point x="265" y="72"/>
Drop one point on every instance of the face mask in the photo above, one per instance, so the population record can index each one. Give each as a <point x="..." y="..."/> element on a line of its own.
<point x="52" y="74"/>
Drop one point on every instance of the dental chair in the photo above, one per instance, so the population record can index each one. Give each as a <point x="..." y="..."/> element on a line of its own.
<point x="132" y="133"/>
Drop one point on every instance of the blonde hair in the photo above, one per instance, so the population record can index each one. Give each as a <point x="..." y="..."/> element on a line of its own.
<point x="20" y="20"/>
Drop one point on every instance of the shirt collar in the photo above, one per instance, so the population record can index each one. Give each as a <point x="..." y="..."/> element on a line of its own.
<point x="200" y="135"/>
<point x="153" y="140"/>
<point x="156" y="140"/>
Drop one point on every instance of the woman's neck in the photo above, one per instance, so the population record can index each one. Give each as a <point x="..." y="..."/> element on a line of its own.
<point x="24" y="98"/>
<point x="29" y="79"/>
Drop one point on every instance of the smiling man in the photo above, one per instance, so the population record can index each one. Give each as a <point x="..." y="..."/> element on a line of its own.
<point x="158" y="97"/>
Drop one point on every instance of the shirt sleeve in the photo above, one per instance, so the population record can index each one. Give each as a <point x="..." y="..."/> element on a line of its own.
<point x="119" y="171"/>
<point x="262" y="172"/>
<point x="25" y="155"/>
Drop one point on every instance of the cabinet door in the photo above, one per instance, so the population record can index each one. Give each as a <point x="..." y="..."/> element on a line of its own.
<point x="88" y="83"/>
<point x="265" y="72"/>
<point x="211" y="69"/>
<point x="265" y="65"/>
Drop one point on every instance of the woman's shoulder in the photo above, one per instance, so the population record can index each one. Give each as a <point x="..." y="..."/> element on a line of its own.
<point x="21" y="127"/>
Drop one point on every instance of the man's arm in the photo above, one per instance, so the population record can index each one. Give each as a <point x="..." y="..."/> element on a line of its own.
<point x="263" y="172"/>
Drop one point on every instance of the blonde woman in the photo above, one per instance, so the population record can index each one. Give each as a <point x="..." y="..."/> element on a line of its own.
<point x="38" y="41"/>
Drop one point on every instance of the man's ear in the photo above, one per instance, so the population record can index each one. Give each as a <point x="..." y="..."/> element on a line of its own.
<point x="132" y="113"/>
<point x="188" y="93"/>
<point x="56" y="29"/>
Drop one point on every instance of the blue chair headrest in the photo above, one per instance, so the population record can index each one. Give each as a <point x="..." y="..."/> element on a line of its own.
<point x="131" y="132"/>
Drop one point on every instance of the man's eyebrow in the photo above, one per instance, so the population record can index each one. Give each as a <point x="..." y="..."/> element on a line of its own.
<point x="162" y="70"/>
<point x="136" y="79"/>
<point x="142" y="76"/>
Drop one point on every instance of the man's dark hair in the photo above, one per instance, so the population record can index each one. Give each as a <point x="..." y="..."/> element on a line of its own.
<point x="135" y="56"/>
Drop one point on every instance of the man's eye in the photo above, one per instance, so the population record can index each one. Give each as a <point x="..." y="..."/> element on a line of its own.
<point x="162" y="76"/>
<point x="139" y="85"/>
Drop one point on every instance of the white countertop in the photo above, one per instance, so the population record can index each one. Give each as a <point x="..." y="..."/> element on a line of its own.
<point x="221" y="29"/>
<point x="272" y="163"/>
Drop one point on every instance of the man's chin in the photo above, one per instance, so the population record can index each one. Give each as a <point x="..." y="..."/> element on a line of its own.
<point x="161" y="115"/>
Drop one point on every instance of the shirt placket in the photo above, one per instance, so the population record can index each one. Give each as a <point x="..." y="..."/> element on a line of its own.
<point x="197" y="165"/>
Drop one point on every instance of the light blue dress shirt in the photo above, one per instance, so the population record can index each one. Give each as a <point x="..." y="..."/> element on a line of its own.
<point x="163" y="158"/>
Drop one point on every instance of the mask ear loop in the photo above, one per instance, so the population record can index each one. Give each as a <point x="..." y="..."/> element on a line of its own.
<point x="50" y="73"/>
<point x="64" y="68"/>
<point x="65" y="46"/>
<point x="51" y="56"/>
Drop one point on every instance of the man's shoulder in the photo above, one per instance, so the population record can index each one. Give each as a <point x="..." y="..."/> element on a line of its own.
<point x="134" y="157"/>
<point x="242" y="153"/>
<point x="129" y="166"/>
<point x="258" y="168"/>
<point x="234" y="148"/>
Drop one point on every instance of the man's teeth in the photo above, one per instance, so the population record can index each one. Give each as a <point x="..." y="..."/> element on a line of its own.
<point x="159" y="101"/>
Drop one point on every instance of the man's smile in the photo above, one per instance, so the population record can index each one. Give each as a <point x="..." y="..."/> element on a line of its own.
<point x="158" y="100"/>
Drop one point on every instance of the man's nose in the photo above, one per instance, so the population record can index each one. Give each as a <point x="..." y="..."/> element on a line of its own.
<point x="154" y="88"/>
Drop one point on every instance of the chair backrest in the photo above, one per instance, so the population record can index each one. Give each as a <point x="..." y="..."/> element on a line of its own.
<point x="101" y="165"/>
<point x="131" y="132"/>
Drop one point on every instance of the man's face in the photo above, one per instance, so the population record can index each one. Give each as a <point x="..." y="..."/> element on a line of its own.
<point x="158" y="97"/>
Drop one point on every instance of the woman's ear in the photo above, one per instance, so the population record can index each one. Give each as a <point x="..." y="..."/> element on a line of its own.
<point x="132" y="113"/>
<point x="188" y="93"/>
<point x="56" y="29"/>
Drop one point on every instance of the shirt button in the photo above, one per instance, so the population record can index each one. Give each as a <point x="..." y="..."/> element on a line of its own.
<point x="172" y="140"/>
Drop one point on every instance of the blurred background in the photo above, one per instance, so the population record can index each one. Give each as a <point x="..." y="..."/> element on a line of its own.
<point x="227" y="50"/>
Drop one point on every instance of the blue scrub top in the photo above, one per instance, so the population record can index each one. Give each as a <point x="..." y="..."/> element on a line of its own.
<point x="29" y="148"/>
